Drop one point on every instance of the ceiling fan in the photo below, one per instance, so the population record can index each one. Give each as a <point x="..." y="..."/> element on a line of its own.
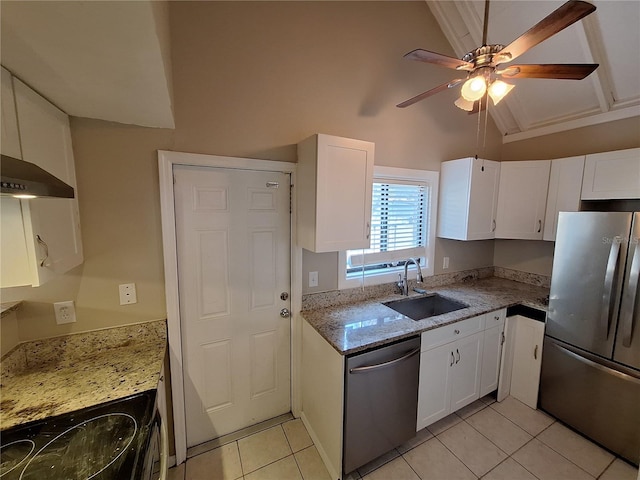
<point x="486" y="65"/>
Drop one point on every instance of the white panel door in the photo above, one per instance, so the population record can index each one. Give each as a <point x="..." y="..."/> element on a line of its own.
<point x="233" y="234"/>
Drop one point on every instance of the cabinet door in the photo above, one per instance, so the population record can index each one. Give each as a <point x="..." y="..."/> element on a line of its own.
<point x="434" y="390"/>
<point x="483" y="208"/>
<point x="612" y="175"/>
<point x="468" y="199"/>
<point x="565" y="185"/>
<point x="527" y="360"/>
<point x="465" y="382"/>
<point x="522" y="199"/>
<point x="491" y="353"/>
<point x="15" y="267"/>
<point x="335" y="180"/>
<point x="10" y="144"/>
<point x="52" y="225"/>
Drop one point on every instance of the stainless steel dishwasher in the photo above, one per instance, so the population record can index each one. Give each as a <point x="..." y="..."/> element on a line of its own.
<point x="381" y="401"/>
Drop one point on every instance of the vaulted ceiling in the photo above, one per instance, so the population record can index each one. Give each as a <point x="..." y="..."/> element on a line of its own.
<point x="610" y="37"/>
<point x="111" y="60"/>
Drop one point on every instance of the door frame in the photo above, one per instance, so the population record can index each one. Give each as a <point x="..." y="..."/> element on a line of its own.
<point x="166" y="161"/>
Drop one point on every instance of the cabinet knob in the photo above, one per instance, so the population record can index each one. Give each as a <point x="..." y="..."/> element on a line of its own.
<point x="456" y="331"/>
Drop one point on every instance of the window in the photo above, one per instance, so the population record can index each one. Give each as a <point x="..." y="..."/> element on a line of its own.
<point x="402" y="226"/>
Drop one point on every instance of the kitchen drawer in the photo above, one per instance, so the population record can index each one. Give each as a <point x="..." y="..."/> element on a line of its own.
<point x="494" y="319"/>
<point x="451" y="332"/>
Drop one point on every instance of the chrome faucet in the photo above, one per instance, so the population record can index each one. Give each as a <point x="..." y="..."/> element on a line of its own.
<point x="403" y="284"/>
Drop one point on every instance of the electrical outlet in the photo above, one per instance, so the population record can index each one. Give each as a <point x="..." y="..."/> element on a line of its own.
<point x="313" y="279"/>
<point x="128" y="294"/>
<point x="445" y="263"/>
<point x="65" y="312"/>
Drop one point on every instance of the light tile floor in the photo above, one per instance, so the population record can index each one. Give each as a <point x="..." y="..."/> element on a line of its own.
<point x="488" y="440"/>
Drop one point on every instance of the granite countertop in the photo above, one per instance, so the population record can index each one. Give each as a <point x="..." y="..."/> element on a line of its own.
<point x="367" y="324"/>
<point x="64" y="374"/>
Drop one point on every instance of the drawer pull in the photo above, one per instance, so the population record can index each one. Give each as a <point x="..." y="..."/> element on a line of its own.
<point x="456" y="331"/>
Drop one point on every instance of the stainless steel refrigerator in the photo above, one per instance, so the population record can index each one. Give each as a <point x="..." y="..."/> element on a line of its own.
<point x="590" y="376"/>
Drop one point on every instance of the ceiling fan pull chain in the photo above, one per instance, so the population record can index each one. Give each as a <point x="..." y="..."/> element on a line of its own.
<point x="478" y="132"/>
<point x="486" y="118"/>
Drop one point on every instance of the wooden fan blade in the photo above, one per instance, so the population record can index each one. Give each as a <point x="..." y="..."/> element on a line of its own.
<point x="428" y="93"/>
<point x="426" y="56"/>
<point x="570" y="71"/>
<point x="567" y="14"/>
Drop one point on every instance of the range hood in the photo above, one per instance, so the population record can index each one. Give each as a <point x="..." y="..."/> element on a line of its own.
<point x="26" y="180"/>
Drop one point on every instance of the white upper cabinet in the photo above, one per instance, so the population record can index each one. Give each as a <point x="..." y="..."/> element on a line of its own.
<point x="50" y="226"/>
<point x="468" y="199"/>
<point x="335" y="177"/>
<point x="522" y="199"/>
<point x="612" y="175"/>
<point x="565" y="184"/>
<point x="9" y="122"/>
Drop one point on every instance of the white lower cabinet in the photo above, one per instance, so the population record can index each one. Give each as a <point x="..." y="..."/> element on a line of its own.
<point x="527" y="360"/>
<point x="465" y="383"/>
<point x="449" y="378"/>
<point x="457" y="367"/>
<point x="492" y="351"/>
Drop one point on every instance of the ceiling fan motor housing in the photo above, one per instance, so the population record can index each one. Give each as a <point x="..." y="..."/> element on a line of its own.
<point x="485" y="55"/>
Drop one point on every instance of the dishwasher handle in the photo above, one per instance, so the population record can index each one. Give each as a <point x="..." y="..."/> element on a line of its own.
<point x="369" y="368"/>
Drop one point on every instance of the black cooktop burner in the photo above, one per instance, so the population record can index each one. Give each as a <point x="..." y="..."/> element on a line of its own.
<point x="104" y="442"/>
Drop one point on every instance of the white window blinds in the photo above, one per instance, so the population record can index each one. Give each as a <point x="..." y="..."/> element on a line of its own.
<point x="398" y="226"/>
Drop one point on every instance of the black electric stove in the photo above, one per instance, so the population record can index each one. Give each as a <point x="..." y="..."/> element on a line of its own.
<point x="106" y="442"/>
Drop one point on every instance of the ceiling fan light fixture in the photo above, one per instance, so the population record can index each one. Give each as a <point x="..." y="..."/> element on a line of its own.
<point x="474" y="88"/>
<point x="464" y="104"/>
<point x="498" y="90"/>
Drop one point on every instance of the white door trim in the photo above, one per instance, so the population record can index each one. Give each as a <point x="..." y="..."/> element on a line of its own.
<point x="166" y="161"/>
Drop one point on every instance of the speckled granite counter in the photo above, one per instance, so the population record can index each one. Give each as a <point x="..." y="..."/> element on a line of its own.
<point x="63" y="374"/>
<point x="367" y="324"/>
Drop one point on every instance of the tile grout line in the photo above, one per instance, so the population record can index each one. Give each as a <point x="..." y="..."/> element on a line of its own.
<point x="457" y="458"/>
<point x="568" y="459"/>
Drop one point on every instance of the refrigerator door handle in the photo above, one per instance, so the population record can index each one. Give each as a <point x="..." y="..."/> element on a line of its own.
<point x="610" y="275"/>
<point x="629" y="298"/>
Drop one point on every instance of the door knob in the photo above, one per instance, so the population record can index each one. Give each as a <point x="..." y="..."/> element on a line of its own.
<point x="285" y="313"/>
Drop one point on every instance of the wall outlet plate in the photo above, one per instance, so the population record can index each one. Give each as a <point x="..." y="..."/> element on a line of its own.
<point x="65" y="312"/>
<point x="128" y="293"/>
<point x="313" y="279"/>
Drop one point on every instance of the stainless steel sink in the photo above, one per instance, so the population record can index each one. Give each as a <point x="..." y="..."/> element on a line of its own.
<point x="425" y="307"/>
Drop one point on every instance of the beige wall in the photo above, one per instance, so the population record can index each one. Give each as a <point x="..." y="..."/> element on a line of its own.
<point x="604" y="137"/>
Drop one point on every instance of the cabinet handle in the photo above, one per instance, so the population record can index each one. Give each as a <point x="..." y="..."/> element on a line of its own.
<point x="43" y="244"/>
<point x="456" y="331"/>
<point x="496" y="318"/>
<point x="535" y="352"/>
<point x="453" y="359"/>
<point x="458" y="352"/>
<point x="493" y="228"/>
<point x="368" y="230"/>
<point x="539" y="226"/>
<point x="503" y="339"/>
